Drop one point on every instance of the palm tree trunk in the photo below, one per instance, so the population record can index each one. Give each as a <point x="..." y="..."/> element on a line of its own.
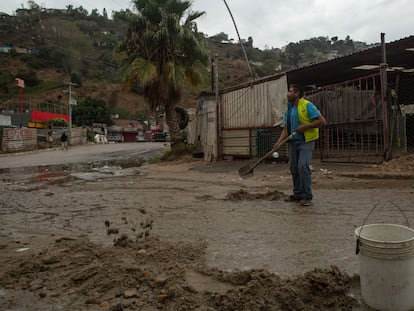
<point x="177" y="144"/>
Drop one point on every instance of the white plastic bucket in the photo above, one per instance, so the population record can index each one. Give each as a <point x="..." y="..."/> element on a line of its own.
<point x="386" y="258"/>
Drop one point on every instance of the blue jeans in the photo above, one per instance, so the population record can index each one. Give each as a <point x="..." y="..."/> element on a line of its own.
<point x="300" y="155"/>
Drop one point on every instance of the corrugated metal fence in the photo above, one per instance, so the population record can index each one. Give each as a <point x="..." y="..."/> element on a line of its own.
<point x="249" y="114"/>
<point x="254" y="106"/>
<point x="354" y="113"/>
<point x="202" y="130"/>
<point x="360" y="124"/>
<point x="402" y="116"/>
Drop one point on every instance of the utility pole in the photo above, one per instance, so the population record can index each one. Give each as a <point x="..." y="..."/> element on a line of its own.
<point x="71" y="102"/>
<point x="384" y="98"/>
<point x="218" y="104"/>
<point x="20" y="84"/>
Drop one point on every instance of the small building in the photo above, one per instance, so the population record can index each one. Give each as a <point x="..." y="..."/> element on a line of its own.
<point x="4" y="15"/>
<point x="20" y="50"/>
<point x="115" y="134"/>
<point x="5" y="49"/>
<point x="128" y="129"/>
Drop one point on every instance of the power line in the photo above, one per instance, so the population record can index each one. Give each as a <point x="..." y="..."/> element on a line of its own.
<point x="241" y="43"/>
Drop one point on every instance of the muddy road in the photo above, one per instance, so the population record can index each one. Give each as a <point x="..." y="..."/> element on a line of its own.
<point x="100" y="154"/>
<point x="188" y="235"/>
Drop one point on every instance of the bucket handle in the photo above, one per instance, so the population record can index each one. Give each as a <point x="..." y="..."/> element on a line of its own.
<point x="366" y="218"/>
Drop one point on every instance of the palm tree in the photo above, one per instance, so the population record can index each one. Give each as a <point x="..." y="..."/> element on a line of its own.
<point x="162" y="51"/>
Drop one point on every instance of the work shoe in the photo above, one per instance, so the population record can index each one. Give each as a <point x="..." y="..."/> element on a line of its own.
<point x="306" y="202"/>
<point x="292" y="198"/>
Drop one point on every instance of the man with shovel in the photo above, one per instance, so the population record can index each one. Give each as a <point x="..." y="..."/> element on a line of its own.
<point x="305" y="119"/>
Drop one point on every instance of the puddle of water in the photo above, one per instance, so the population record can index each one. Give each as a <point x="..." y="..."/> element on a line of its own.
<point x="105" y="172"/>
<point x="62" y="173"/>
<point x="3" y="292"/>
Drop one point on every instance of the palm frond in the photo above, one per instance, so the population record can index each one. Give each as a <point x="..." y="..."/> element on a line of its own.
<point x="194" y="78"/>
<point x="142" y="71"/>
<point x="176" y="74"/>
<point x="192" y="17"/>
<point x="162" y="49"/>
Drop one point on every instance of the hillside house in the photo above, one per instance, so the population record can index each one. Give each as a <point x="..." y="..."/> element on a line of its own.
<point x="4" y="15"/>
<point x="125" y="130"/>
<point x="5" y="49"/>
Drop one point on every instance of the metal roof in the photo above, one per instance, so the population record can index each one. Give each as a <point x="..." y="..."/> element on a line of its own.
<point x="399" y="53"/>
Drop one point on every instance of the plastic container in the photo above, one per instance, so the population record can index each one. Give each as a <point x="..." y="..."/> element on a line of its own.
<point x="386" y="258"/>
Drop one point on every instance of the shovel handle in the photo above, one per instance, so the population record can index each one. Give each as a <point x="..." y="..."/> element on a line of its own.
<point x="272" y="150"/>
<point x="276" y="148"/>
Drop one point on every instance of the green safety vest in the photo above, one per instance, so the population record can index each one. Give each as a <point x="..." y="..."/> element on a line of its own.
<point x="310" y="134"/>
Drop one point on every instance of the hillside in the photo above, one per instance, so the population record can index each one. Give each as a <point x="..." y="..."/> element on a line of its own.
<point x="49" y="46"/>
<point x="63" y="45"/>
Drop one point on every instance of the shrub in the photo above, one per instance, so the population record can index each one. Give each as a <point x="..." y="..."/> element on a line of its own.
<point x="58" y="122"/>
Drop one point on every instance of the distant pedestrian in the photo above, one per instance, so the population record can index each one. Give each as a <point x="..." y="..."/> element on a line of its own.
<point x="49" y="139"/>
<point x="64" y="141"/>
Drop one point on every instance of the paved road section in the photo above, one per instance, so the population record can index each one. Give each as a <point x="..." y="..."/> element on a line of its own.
<point x="82" y="154"/>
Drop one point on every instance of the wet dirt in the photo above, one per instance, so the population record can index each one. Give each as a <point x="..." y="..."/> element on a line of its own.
<point x="242" y="194"/>
<point x="188" y="235"/>
<point x="149" y="275"/>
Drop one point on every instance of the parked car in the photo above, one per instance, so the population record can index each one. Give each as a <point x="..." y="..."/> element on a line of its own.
<point x="115" y="137"/>
<point x="159" y="136"/>
<point x="140" y="139"/>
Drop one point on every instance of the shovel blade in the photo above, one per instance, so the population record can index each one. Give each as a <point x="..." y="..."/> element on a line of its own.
<point x="245" y="172"/>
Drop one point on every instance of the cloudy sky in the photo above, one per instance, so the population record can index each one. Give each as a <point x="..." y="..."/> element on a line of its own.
<point x="275" y="23"/>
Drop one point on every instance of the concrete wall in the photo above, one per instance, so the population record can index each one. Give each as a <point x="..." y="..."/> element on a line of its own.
<point x="18" y="139"/>
<point x="22" y="139"/>
<point x="78" y="136"/>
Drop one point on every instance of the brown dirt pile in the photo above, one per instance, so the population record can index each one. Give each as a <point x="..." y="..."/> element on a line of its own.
<point x="402" y="164"/>
<point x="151" y="274"/>
<point x="243" y="195"/>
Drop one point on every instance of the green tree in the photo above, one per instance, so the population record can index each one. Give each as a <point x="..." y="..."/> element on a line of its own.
<point x="82" y="11"/>
<point x="76" y="77"/>
<point x="29" y="77"/>
<point x="91" y="110"/>
<point x="33" y="5"/>
<point x="94" y="13"/>
<point x="220" y="37"/>
<point x="69" y="8"/>
<point x="6" y="79"/>
<point x="163" y="49"/>
<point x="292" y="53"/>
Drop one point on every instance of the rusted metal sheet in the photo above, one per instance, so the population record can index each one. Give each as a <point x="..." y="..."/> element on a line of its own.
<point x="254" y="106"/>
<point x="18" y="139"/>
<point x="204" y="128"/>
<point x="251" y="142"/>
<point x="236" y="142"/>
<point x="354" y="112"/>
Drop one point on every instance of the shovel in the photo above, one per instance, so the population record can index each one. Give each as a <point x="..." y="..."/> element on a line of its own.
<point x="247" y="170"/>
